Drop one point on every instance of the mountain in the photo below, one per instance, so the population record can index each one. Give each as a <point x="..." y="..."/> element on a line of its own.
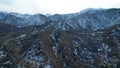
<point x="91" y="19"/>
<point x="98" y="19"/>
<point x="6" y="28"/>
<point x="61" y="49"/>
<point x="87" y="39"/>
<point x="20" y="20"/>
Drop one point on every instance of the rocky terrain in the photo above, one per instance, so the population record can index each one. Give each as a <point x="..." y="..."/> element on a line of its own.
<point x="88" y="39"/>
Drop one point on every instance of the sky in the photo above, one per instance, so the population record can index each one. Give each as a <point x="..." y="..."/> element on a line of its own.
<point x="54" y="6"/>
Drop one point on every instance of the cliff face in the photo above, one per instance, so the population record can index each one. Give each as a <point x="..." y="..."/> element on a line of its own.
<point x="64" y="42"/>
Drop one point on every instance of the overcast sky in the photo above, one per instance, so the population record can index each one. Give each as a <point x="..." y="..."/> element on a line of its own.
<point x="54" y="6"/>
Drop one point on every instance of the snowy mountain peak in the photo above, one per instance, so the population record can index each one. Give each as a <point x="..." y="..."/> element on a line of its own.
<point x="91" y="19"/>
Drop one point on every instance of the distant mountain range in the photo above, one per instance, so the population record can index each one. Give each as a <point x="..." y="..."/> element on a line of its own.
<point x="92" y="19"/>
<point x="87" y="39"/>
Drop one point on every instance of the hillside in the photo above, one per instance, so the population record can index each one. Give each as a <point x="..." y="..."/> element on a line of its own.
<point x="89" y="39"/>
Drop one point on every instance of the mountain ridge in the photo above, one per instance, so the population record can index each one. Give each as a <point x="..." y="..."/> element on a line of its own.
<point x="86" y="40"/>
<point x="84" y="19"/>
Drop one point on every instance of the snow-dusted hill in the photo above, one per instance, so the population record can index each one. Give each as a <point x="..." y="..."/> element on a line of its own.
<point x="91" y="19"/>
<point x="88" y="39"/>
<point x="20" y="20"/>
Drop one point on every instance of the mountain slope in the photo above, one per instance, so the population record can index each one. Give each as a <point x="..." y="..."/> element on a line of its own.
<point x="63" y="49"/>
<point x="90" y="19"/>
<point x="89" y="39"/>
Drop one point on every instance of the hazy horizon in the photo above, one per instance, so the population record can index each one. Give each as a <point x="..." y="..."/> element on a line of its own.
<point x="54" y="6"/>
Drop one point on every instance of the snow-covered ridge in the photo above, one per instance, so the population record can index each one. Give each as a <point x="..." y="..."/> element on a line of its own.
<point x="21" y="20"/>
<point x="92" y="19"/>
